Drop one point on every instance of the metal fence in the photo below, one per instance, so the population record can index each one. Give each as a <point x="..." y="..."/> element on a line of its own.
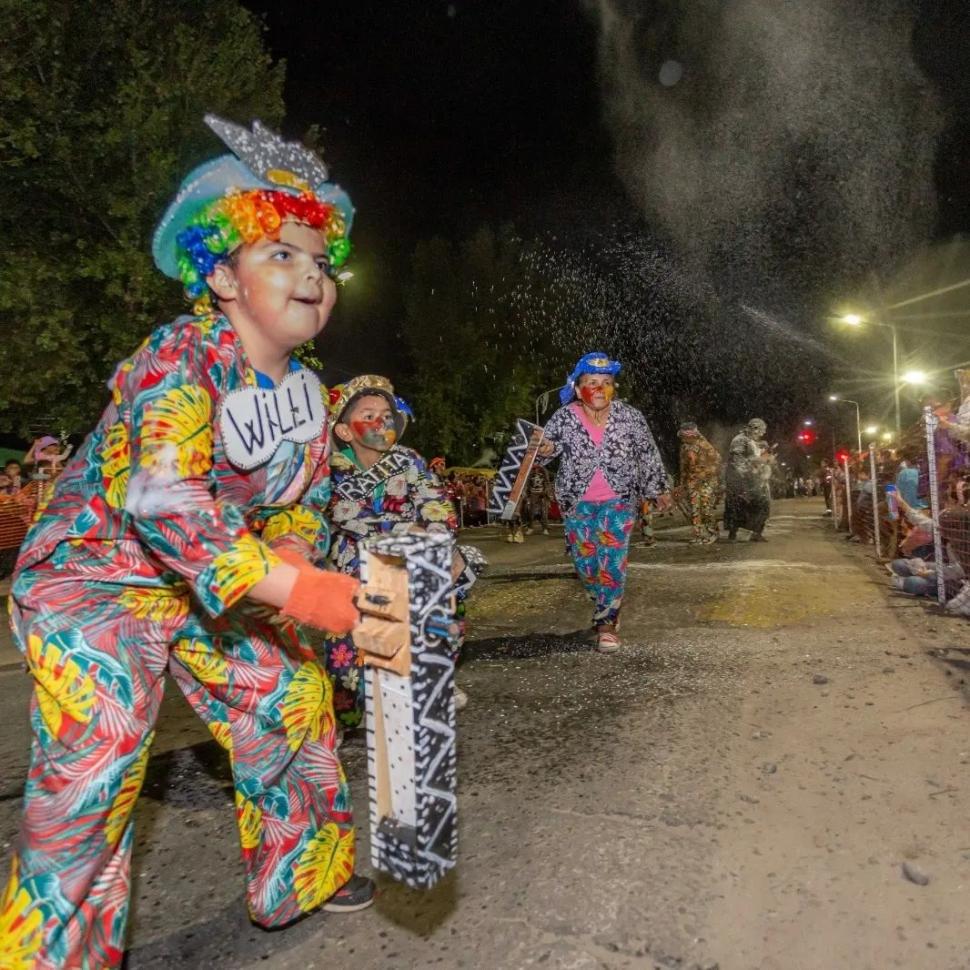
<point x="912" y="506"/>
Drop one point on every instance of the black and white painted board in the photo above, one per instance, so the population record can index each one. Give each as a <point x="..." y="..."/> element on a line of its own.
<point x="411" y="721"/>
<point x="509" y="483"/>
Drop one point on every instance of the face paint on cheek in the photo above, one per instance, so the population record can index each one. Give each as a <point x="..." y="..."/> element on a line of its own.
<point x="381" y="440"/>
<point x="588" y="393"/>
<point x="375" y="434"/>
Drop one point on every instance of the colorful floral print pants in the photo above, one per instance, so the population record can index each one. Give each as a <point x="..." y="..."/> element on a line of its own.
<point x="598" y="539"/>
<point x="702" y="500"/>
<point x="98" y="653"/>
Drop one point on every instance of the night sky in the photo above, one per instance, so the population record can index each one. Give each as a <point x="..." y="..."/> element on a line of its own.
<point x="942" y="45"/>
<point x="439" y="117"/>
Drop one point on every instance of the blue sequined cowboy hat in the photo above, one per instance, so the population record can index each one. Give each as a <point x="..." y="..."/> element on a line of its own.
<point x="234" y="197"/>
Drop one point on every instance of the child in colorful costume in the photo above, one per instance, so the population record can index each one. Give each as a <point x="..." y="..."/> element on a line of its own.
<point x="180" y="539"/>
<point x="379" y="487"/>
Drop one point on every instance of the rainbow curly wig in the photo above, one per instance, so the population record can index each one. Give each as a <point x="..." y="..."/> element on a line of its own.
<point x="238" y="199"/>
<point x="245" y="217"/>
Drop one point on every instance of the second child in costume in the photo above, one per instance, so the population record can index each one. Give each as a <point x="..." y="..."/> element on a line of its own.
<point x="179" y="540"/>
<point x="379" y="487"/>
<point x="608" y="464"/>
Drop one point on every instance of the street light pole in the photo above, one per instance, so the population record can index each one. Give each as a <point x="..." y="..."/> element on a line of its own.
<point x="854" y="320"/>
<point x="892" y="327"/>
<point x="544" y="397"/>
<point x="858" y="419"/>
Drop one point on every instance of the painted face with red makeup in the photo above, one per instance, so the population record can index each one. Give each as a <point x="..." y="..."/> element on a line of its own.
<point x="368" y="426"/>
<point x="596" y="391"/>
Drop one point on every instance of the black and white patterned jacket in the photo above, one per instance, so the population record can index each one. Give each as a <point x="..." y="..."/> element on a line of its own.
<point x="628" y="456"/>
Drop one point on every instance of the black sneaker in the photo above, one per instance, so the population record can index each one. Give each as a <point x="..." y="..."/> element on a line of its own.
<point x="356" y="895"/>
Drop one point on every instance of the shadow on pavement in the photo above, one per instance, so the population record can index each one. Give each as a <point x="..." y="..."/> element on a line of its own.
<point x="527" y="646"/>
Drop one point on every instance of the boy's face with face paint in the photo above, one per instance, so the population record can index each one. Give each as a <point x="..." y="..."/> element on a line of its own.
<point x="596" y="390"/>
<point x="368" y="424"/>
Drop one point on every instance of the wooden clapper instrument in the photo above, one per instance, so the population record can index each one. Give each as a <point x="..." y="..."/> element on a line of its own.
<point x="408" y="623"/>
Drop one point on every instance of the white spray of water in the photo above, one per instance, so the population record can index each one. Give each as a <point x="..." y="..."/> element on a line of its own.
<point x="797" y="147"/>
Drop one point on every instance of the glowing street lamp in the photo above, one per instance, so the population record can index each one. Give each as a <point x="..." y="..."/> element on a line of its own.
<point x="887" y="436"/>
<point x="871" y="428"/>
<point x="858" y="421"/>
<point x="914" y="377"/>
<point x="855" y="320"/>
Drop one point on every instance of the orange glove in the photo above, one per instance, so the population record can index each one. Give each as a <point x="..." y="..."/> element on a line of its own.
<point x="292" y="558"/>
<point x="320" y="599"/>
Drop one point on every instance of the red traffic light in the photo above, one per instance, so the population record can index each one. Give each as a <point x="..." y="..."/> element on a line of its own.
<point x="842" y="455"/>
<point x="806" y="437"/>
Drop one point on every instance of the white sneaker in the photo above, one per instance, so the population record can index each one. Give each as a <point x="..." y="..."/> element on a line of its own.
<point x="607" y="642"/>
<point x="545" y="532"/>
<point x="518" y="537"/>
<point x="461" y="699"/>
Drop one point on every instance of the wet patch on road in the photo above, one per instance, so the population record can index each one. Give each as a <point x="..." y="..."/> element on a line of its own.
<point x="526" y="647"/>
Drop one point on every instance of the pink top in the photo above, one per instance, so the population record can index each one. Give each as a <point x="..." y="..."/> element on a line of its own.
<point x="598" y="489"/>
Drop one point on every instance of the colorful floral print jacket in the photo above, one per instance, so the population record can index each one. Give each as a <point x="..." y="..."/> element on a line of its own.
<point x="408" y="494"/>
<point x="150" y="499"/>
<point x="628" y="456"/>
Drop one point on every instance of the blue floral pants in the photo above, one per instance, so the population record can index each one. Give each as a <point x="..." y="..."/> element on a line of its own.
<point x="598" y="540"/>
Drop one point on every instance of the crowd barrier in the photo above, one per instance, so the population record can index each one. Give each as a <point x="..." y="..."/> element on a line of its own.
<point x="925" y="514"/>
<point x="16" y="513"/>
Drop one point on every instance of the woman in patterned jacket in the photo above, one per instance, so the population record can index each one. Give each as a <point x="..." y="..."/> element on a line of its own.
<point x="609" y="464"/>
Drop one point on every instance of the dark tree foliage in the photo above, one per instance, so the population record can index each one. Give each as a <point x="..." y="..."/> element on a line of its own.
<point x="100" y="116"/>
<point x="472" y="369"/>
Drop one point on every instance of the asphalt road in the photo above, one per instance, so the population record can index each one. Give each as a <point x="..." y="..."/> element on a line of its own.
<point x="739" y="787"/>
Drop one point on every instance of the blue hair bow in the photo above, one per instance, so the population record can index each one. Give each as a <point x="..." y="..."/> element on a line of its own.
<point x="592" y="363"/>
